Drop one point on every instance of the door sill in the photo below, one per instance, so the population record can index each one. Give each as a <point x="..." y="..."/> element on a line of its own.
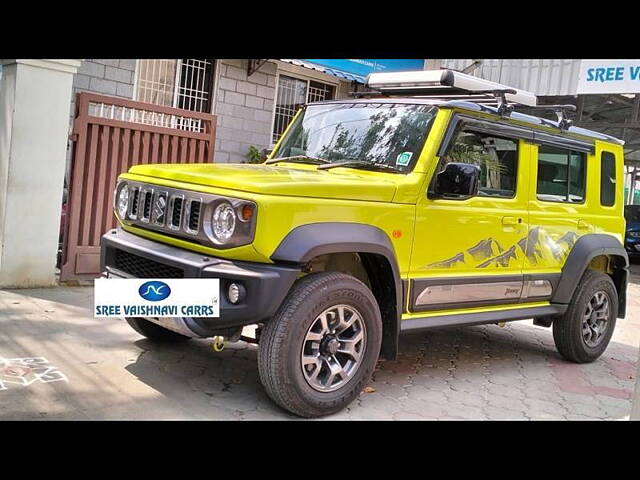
<point x="481" y="318"/>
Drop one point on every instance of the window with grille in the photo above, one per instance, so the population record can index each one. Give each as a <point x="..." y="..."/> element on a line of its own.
<point x="183" y="83"/>
<point x="292" y="94"/>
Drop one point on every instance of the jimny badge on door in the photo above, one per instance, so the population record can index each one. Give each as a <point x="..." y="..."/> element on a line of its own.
<point x="143" y="297"/>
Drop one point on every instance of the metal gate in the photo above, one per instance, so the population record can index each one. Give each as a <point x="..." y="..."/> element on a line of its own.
<point x="110" y="135"/>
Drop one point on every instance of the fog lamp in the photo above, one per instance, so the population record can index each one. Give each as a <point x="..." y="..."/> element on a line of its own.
<point x="236" y="293"/>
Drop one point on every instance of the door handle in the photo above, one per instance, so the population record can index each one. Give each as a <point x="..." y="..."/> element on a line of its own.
<point x="510" y="221"/>
<point x="583" y="225"/>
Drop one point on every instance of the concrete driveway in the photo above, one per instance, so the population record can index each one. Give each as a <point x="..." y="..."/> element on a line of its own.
<point x="58" y="362"/>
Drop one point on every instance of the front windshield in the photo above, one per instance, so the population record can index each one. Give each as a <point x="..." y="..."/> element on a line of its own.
<point x="632" y="213"/>
<point x="378" y="133"/>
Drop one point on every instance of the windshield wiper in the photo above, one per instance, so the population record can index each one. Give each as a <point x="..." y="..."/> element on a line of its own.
<point x="360" y="164"/>
<point x="297" y="159"/>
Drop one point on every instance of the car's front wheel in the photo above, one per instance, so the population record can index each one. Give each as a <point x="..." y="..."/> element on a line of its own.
<point x="319" y="350"/>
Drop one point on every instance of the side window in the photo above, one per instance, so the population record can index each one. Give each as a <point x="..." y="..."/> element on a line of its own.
<point x="561" y="175"/>
<point x="607" y="179"/>
<point x="497" y="158"/>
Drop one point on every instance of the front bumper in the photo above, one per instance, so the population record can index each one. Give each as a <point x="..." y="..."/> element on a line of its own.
<point x="130" y="256"/>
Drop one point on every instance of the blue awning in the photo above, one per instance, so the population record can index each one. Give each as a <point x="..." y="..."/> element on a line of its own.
<point x="329" y="71"/>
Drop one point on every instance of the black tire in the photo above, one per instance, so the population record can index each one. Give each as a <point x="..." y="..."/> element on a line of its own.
<point x="568" y="329"/>
<point x="153" y="331"/>
<point x="283" y="338"/>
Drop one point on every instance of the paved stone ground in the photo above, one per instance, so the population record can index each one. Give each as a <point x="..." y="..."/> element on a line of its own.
<point x="60" y="363"/>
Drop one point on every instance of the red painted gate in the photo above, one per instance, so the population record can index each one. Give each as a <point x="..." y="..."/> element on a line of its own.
<point x="110" y="135"/>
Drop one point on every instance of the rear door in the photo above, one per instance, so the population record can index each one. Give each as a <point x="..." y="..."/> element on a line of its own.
<point x="560" y="205"/>
<point x="574" y="191"/>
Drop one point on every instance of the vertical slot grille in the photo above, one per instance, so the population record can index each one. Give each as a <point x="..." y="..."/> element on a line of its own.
<point x="194" y="215"/>
<point x="134" y="202"/>
<point x="176" y="214"/>
<point x="147" y="198"/>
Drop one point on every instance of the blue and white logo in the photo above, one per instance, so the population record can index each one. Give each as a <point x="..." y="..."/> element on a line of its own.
<point x="154" y="291"/>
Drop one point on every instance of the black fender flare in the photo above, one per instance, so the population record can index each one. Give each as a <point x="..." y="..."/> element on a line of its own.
<point x="586" y="248"/>
<point x="306" y="242"/>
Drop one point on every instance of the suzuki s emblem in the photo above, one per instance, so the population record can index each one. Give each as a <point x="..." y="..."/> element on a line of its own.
<point x="154" y="291"/>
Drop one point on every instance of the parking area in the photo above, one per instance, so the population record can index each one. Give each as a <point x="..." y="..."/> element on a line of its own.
<point x="58" y="362"/>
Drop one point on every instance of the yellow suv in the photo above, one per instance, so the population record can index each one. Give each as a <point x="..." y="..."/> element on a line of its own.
<point x="374" y="216"/>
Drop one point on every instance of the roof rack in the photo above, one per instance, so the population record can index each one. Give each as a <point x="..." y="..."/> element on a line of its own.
<point x="447" y="85"/>
<point x="561" y="113"/>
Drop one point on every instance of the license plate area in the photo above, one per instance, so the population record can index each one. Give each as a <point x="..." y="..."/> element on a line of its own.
<point x="158" y="297"/>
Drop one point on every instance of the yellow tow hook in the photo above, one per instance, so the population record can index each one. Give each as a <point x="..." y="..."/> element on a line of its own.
<point x="218" y="344"/>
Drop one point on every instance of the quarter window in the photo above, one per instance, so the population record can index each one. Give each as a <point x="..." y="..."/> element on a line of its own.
<point x="607" y="179"/>
<point x="497" y="158"/>
<point x="561" y="175"/>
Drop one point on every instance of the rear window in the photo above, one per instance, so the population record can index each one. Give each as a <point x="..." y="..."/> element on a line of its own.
<point x="607" y="179"/>
<point x="561" y="175"/>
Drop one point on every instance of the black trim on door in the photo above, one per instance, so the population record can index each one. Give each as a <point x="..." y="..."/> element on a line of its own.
<point x="483" y="126"/>
<point x="418" y="285"/>
<point x="564" y="142"/>
<point x="511" y="131"/>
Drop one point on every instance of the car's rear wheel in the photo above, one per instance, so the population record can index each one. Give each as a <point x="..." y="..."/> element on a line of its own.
<point x="153" y="331"/>
<point x="583" y="333"/>
<point x="319" y="350"/>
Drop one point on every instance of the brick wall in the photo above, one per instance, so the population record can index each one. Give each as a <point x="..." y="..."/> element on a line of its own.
<point x="105" y="76"/>
<point x="244" y="106"/>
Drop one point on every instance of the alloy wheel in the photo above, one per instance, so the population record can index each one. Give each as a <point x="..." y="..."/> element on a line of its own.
<point x="333" y="348"/>
<point x="595" y="320"/>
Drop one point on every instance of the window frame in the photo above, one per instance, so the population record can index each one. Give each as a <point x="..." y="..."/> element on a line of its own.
<point x="584" y="175"/>
<point x="481" y="126"/>
<point x="615" y="183"/>
<point x="297" y="76"/>
<point x="210" y="91"/>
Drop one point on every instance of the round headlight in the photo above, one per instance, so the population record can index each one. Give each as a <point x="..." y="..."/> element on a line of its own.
<point x="224" y="221"/>
<point x="122" y="203"/>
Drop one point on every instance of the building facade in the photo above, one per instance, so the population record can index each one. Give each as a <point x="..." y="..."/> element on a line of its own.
<point x="253" y="99"/>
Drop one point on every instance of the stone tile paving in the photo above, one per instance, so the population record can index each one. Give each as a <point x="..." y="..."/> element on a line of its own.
<point x="484" y="372"/>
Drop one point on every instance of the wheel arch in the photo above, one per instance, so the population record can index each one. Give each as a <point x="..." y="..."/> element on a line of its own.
<point x="587" y="249"/>
<point x="372" y="244"/>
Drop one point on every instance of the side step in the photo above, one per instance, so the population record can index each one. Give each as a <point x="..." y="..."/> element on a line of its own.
<point x="481" y="318"/>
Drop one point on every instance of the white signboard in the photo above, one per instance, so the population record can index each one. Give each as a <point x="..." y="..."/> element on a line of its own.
<point x="609" y="76"/>
<point x="144" y="297"/>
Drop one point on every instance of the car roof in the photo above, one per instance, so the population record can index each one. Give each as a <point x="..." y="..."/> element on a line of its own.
<point x="532" y="120"/>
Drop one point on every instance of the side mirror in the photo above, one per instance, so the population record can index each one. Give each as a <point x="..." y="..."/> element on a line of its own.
<point x="459" y="180"/>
